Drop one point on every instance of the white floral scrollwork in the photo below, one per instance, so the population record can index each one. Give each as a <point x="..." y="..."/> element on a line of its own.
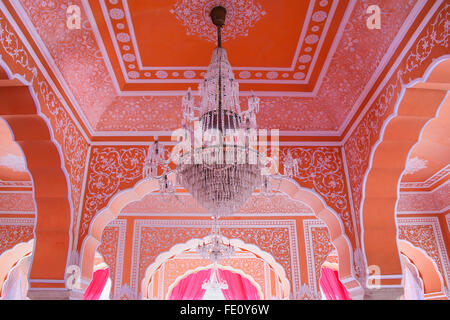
<point x="241" y="16"/>
<point x="12" y="45"/>
<point x="110" y="169"/>
<point x="322" y="169"/>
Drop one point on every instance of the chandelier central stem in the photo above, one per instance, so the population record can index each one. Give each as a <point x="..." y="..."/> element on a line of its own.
<point x="219" y="36"/>
<point x="218" y="16"/>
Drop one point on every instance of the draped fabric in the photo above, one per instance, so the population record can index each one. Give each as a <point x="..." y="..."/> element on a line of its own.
<point x="16" y="285"/>
<point x="106" y="293"/>
<point x="239" y="288"/>
<point x="413" y="286"/>
<point x="95" y="289"/>
<point x="190" y="288"/>
<point x="331" y="286"/>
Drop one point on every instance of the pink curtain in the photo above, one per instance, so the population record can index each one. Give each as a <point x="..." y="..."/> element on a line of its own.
<point x="190" y="288"/>
<point x="239" y="288"/>
<point x="331" y="286"/>
<point x="97" y="285"/>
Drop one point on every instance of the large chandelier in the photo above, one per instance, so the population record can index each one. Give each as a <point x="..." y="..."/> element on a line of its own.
<point x="219" y="163"/>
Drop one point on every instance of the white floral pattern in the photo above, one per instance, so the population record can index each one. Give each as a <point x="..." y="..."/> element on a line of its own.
<point x="110" y="170"/>
<point x="322" y="170"/>
<point x="241" y="16"/>
<point x="415" y="164"/>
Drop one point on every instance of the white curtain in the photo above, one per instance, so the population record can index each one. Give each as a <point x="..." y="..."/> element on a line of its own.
<point x="413" y="283"/>
<point x="105" y="295"/>
<point x="16" y="284"/>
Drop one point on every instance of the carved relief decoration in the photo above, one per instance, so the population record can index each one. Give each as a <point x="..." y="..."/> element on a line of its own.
<point x="111" y="169"/>
<point x="322" y="170"/>
<point x="17" y="202"/>
<point x="318" y="246"/>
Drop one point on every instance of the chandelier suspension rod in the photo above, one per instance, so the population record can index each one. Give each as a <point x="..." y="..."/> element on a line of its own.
<point x="218" y="16"/>
<point x="219" y="36"/>
<point x="220" y="81"/>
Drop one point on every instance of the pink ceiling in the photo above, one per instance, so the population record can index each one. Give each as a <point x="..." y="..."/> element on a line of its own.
<point x="80" y="57"/>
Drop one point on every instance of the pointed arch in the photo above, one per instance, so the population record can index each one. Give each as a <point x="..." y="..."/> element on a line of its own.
<point x="192" y="244"/>
<point x="287" y="186"/>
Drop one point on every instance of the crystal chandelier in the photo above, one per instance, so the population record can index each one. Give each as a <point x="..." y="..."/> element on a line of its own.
<point x="220" y="173"/>
<point x="215" y="249"/>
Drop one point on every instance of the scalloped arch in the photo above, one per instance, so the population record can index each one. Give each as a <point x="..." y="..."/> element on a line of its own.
<point x="433" y="282"/>
<point x="234" y="270"/>
<point x="399" y="134"/>
<point x="287" y="186"/>
<point x="31" y="130"/>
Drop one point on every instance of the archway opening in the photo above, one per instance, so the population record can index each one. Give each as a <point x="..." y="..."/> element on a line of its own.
<point x="100" y="286"/>
<point x="239" y="285"/>
<point x="331" y="287"/>
<point x="259" y="267"/>
<point x="417" y="108"/>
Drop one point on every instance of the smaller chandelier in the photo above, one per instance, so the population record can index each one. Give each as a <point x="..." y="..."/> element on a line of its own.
<point x="215" y="249"/>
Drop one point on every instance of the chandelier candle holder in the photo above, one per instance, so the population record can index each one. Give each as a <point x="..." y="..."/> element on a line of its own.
<point x="222" y="168"/>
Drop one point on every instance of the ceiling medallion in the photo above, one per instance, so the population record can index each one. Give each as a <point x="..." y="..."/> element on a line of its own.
<point x="241" y="15"/>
